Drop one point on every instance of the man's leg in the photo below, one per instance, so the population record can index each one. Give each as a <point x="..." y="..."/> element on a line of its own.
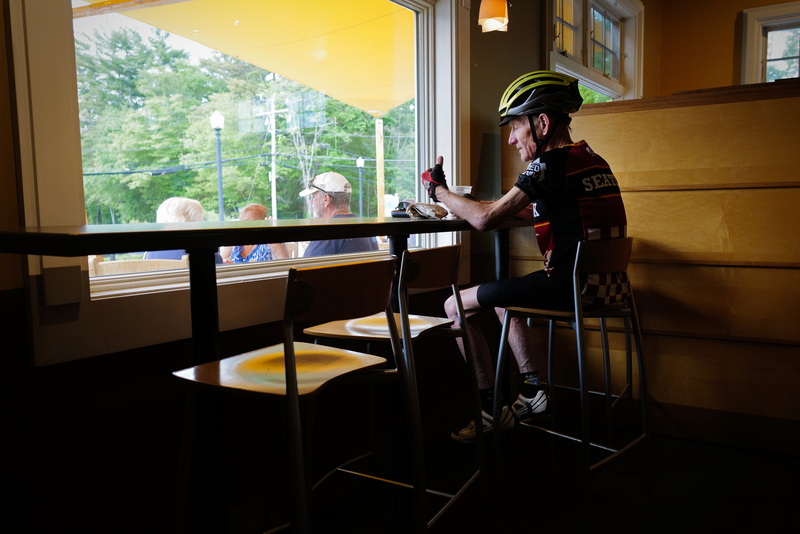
<point x="480" y="350"/>
<point x="484" y="366"/>
<point x="520" y="339"/>
<point x="532" y="399"/>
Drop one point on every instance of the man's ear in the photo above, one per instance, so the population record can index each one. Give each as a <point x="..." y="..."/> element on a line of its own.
<point x="546" y="123"/>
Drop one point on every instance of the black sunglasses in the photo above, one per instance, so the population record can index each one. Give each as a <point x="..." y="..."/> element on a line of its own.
<point x="317" y="187"/>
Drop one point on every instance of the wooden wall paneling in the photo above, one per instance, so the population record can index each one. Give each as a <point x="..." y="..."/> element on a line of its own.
<point x="522" y="243"/>
<point x="724" y="376"/>
<point x="704" y="373"/>
<point x="736" y="303"/>
<point x="727" y="227"/>
<point x="738" y="143"/>
<point x="742" y="226"/>
<point x="701" y="301"/>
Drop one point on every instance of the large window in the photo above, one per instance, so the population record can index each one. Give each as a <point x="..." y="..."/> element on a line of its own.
<point x="148" y="84"/>
<point x="599" y="42"/>
<point x="60" y="154"/>
<point x="296" y="89"/>
<point x="770" y="36"/>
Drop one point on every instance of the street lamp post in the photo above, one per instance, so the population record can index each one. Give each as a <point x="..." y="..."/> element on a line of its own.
<point x="218" y="123"/>
<point x="360" y="165"/>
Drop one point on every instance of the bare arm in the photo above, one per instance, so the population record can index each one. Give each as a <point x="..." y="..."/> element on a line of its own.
<point x="481" y="215"/>
<point x="484" y="215"/>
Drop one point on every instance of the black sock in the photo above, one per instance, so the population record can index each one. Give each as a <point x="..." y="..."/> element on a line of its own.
<point x="529" y="385"/>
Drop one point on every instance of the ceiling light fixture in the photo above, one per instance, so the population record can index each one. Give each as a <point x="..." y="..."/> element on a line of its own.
<point x="493" y="15"/>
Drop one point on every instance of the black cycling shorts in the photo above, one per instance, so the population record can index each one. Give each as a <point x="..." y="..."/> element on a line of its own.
<point x="534" y="290"/>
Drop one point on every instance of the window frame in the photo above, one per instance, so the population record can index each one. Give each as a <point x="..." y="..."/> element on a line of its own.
<point x="52" y="185"/>
<point x="630" y="14"/>
<point x="755" y="22"/>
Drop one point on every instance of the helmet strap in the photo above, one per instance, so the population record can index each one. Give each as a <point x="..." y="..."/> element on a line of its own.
<point x="540" y="143"/>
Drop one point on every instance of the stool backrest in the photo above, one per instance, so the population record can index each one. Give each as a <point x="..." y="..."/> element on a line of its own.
<point x="342" y="291"/>
<point x="600" y="275"/>
<point x="431" y="268"/>
<point x="604" y="255"/>
<point x="334" y="292"/>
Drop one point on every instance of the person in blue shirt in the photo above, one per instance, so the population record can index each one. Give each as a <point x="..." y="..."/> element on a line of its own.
<point x="252" y="253"/>
<point x="176" y="210"/>
<point x="329" y="197"/>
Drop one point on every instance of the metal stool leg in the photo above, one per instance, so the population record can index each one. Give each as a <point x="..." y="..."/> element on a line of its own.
<point x="607" y="379"/>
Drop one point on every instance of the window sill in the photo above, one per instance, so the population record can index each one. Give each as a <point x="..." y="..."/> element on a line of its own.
<point x="127" y="285"/>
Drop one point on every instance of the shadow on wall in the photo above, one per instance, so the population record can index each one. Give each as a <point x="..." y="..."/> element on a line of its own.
<point x="486" y="187"/>
<point x="488" y="182"/>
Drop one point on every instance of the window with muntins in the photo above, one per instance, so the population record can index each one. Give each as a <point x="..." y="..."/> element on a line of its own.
<point x="782" y="54"/>
<point x="770" y="42"/>
<point x="605" y="42"/>
<point x="567" y="37"/>
<point x="601" y="44"/>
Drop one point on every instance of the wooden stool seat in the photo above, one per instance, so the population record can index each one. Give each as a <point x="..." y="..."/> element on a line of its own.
<point x="375" y="327"/>
<point x="264" y="370"/>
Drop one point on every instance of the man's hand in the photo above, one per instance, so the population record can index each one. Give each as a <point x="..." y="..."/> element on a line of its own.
<point x="433" y="178"/>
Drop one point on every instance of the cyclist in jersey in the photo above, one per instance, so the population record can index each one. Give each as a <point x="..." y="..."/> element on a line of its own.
<point x="571" y="194"/>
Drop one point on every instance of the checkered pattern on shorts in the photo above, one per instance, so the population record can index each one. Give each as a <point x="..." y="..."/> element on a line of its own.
<point x="603" y="289"/>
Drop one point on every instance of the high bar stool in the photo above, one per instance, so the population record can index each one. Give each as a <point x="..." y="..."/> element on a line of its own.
<point x="606" y="257"/>
<point x="296" y="370"/>
<point x="422" y="269"/>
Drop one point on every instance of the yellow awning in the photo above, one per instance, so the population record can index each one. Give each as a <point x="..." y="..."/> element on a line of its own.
<point x="358" y="51"/>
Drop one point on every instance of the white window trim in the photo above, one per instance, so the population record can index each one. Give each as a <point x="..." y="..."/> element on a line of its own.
<point x="631" y="15"/>
<point x="124" y="285"/>
<point x="754" y="22"/>
<point x="52" y="186"/>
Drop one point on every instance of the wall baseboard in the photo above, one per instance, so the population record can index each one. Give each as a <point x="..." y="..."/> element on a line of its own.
<point x="766" y="434"/>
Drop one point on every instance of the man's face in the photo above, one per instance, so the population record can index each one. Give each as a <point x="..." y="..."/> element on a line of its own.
<point x="522" y="139"/>
<point x="317" y="201"/>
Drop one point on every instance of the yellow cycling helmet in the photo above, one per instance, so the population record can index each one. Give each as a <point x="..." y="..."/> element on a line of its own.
<point x="540" y="91"/>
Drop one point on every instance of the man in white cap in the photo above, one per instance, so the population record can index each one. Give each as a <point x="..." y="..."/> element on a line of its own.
<point x="329" y="197"/>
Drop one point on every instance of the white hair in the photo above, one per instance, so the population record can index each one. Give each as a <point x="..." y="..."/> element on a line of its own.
<point x="179" y="209"/>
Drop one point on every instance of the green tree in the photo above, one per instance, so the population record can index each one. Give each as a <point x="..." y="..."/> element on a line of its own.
<point x="590" y="96"/>
<point x="147" y="136"/>
<point x="108" y="67"/>
<point x="135" y="96"/>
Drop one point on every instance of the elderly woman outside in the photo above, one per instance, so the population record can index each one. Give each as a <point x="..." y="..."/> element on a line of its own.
<point x="172" y="210"/>
<point x="252" y="253"/>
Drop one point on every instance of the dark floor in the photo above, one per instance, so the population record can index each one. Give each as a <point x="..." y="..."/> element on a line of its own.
<point x="85" y="450"/>
<point x="662" y="485"/>
<point x="123" y="477"/>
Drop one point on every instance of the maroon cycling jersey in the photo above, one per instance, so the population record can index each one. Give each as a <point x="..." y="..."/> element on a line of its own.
<point x="575" y="197"/>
